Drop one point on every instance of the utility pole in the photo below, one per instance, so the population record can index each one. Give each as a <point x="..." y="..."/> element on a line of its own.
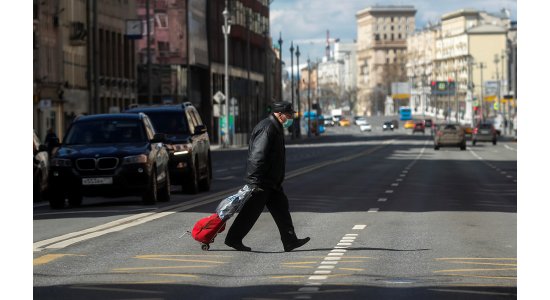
<point x="496" y="61"/>
<point x="292" y="83"/>
<point x="457" y="85"/>
<point x="481" y="67"/>
<point x="226" y="30"/>
<point x="309" y="99"/>
<point x="281" y="61"/>
<point x="299" y="132"/>
<point x="149" y="70"/>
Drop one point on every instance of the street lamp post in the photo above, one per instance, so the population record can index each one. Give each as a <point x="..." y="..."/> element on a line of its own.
<point x="496" y="60"/>
<point x="309" y="99"/>
<point x="292" y="82"/>
<point x="281" y="60"/>
<point x="299" y="132"/>
<point x="226" y="29"/>
<point x="481" y="67"/>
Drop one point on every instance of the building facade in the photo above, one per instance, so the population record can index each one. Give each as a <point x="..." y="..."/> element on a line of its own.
<point x="381" y="53"/>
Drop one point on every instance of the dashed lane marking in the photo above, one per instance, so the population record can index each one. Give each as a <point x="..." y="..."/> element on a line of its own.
<point x="49" y="258"/>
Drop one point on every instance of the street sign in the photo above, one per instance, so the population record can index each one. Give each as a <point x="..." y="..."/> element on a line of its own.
<point x="45" y="104"/>
<point x="218" y="97"/>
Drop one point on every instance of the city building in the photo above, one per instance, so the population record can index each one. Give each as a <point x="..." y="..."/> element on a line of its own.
<point x="471" y="45"/>
<point x="68" y="80"/>
<point x="381" y="53"/>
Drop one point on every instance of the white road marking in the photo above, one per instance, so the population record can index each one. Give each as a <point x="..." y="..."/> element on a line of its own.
<point x="328" y="262"/>
<point x="382" y="199"/>
<point x="325" y="267"/>
<point x="389" y="191"/>
<point x="318" y="277"/>
<point x="395" y="184"/>
<point x="318" y="272"/>
<point x="336" y="254"/>
<point x="339" y="250"/>
<point x="399" y="179"/>
<point x="358" y="227"/>
<point x="352" y="234"/>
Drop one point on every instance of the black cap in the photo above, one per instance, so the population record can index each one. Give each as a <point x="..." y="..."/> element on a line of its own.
<point x="282" y="107"/>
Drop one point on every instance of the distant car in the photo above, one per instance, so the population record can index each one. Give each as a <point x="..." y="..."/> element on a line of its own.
<point x="109" y="155"/>
<point x="387" y="125"/>
<point x="344" y="122"/>
<point x="328" y="121"/>
<point x="468" y="131"/>
<point x="365" y="127"/>
<point x="428" y="123"/>
<point x="409" y="124"/>
<point x="187" y="141"/>
<point x="336" y="119"/>
<point x="40" y="168"/>
<point x="450" y="135"/>
<point x="418" y="127"/>
<point x="360" y="120"/>
<point x="484" y="132"/>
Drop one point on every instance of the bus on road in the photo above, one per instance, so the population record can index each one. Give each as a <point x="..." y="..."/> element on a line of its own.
<point x="405" y="113"/>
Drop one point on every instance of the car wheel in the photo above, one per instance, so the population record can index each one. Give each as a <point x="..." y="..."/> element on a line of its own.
<point x="436" y="147"/>
<point x="205" y="182"/>
<point x="151" y="194"/>
<point x="463" y="147"/>
<point x="56" y="199"/>
<point x="164" y="194"/>
<point x="75" y="199"/>
<point x="192" y="182"/>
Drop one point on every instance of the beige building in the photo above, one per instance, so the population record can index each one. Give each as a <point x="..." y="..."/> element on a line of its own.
<point x="469" y="38"/>
<point x="381" y="53"/>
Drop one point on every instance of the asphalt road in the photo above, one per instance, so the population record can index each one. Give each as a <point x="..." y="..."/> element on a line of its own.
<point x="388" y="216"/>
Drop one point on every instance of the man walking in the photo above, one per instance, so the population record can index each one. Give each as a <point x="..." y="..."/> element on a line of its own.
<point x="266" y="172"/>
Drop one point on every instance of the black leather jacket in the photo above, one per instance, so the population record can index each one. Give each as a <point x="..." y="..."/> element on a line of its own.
<point x="266" y="154"/>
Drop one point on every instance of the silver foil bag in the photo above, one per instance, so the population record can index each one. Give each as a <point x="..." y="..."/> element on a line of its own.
<point x="233" y="204"/>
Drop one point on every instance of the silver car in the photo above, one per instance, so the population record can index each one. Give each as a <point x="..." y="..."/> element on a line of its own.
<point x="450" y="135"/>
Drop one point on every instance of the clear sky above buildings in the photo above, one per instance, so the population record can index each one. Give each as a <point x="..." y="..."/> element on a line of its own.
<point x="306" y="21"/>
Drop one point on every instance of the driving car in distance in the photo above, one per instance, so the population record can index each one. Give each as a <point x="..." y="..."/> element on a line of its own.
<point x="187" y="141"/>
<point x="360" y="120"/>
<point x="418" y="127"/>
<point x="484" y="132"/>
<point x="450" y="135"/>
<point x="428" y="123"/>
<point x="365" y="127"/>
<point x="388" y="125"/>
<point x="344" y="122"/>
<point x="409" y="124"/>
<point x="109" y="155"/>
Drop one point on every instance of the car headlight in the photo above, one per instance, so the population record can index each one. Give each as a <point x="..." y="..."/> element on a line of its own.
<point x="61" y="162"/>
<point x="181" y="149"/>
<point x="136" y="159"/>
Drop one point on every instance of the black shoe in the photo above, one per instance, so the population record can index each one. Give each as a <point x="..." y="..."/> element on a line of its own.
<point x="297" y="243"/>
<point x="237" y="246"/>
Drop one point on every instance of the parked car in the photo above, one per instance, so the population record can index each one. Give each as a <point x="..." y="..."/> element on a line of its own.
<point x="110" y="155"/>
<point x="40" y="168"/>
<point x="484" y="132"/>
<point x="387" y="125"/>
<point x="365" y="127"/>
<point x="450" y="135"/>
<point x="187" y="141"/>
<point x="360" y="120"/>
<point x="344" y="122"/>
<point x="409" y="124"/>
<point x="418" y="127"/>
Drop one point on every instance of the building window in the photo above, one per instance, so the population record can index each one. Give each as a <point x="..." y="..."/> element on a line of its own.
<point x="377" y="37"/>
<point x="385" y="37"/>
<point x="161" y="20"/>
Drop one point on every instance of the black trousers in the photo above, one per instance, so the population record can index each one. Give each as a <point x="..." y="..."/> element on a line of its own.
<point x="277" y="204"/>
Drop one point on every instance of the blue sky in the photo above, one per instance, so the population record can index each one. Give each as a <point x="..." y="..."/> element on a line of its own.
<point x="306" y="21"/>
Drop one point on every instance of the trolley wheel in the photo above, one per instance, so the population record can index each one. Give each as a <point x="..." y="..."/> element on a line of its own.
<point x="205" y="247"/>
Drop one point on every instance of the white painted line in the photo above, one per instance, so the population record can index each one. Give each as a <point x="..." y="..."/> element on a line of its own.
<point x="509" y="176"/>
<point x="373" y="210"/>
<point x="395" y="184"/>
<point x="336" y="254"/>
<point x="352" y="234"/>
<point x="341" y="247"/>
<point x="503" y="173"/>
<point x="404" y="171"/>
<point x="349" y="238"/>
<point x="382" y="199"/>
<point x="399" y="179"/>
<point x="328" y="258"/>
<point x="389" y="191"/>
<point x="402" y="175"/>
<point x="344" y="244"/>
<point x="338" y="250"/>
<point x="318" y="277"/>
<point x="319" y="272"/>
<point x="309" y="289"/>
<point x="328" y="262"/>
<point x="356" y="227"/>
<point x="325" y="267"/>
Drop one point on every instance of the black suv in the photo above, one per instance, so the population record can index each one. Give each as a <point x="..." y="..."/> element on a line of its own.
<point x="40" y="168"/>
<point x="110" y="155"/>
<point x="187" y="141"/>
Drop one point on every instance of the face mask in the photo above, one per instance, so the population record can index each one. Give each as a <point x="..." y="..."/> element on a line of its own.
<point x="288" y="123"/>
